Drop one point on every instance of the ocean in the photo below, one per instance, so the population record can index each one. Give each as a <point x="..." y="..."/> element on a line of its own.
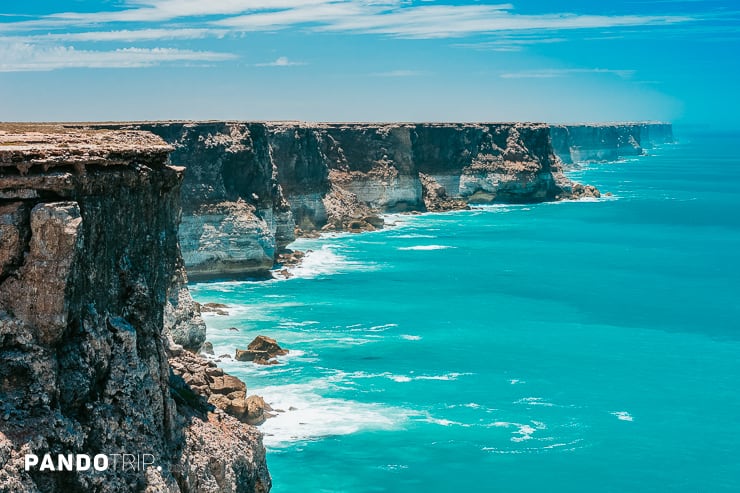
<point x="588" y="346"/>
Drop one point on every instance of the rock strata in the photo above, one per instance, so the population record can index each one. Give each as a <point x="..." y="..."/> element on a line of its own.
<point x="251" y="186"/>
<point x="89" y="256"/>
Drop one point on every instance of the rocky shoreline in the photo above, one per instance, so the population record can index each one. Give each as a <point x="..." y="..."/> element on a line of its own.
<point x="98" y="332"/>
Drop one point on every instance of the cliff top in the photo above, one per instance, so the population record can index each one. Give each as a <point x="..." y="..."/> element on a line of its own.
<point x="53" y="145"/>
<point x="363" y="123"/>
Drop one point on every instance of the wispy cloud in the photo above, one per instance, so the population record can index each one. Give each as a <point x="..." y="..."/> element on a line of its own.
<point x="430" y="21"/>
<point x="282" y="61"/>
<point x="554" y="73"/>
<point x="126" y="35"/>
<point x="512" y="43"/>
<point x="167" y="10"/>
<point x="400" y="73"/>
<point x="24" y="57"/>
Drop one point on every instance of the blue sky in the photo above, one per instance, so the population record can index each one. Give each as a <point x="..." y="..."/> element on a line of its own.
<point x="371" y="60"/>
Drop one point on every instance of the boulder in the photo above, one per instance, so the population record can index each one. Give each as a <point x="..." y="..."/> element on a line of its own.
<point x="217" y="308"/>
<point x="219" y="400"/>
<point x="264" y="343"/>
<point x="237" y="407"/>
<point x="226" y="384"/>
<point x="248" y="355"/>
<point x="257" y="410"/>
<point x="262" y="351"/>
<point x="375" y="221"/>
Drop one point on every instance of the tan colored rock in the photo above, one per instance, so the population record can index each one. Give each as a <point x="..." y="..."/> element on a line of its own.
<point x="227" y="384"/>
<point x="259" y="357"/>
<point x="257" y="410"/>
<point x="267" y="344"/>
<point x="220" y="401"/>
<point x="82" y="332"/>
<point x="237" y="394"/>
<point x="262" y="351"/>
<point x="38" y="292"/>
<point x="237" y="407"/>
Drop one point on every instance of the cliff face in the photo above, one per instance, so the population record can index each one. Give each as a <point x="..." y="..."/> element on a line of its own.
<point x="248" y="186"/>
<point x="607" y="142"/>
<point x="89" y="262"/>
<point x="380" y="166"/>
<point x="234" y="215"/>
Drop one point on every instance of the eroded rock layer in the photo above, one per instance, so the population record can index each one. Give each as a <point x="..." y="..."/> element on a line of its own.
<point x="91" y="289"/>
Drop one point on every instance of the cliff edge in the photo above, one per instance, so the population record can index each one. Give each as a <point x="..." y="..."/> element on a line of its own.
<point x="89" y="269"/>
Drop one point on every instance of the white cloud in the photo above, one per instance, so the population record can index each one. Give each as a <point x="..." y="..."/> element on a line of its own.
<point x="511" y="43"/>
<point x="24" y="57"/>
<point x="280" y="62"/>
<point x="458" y="21"/>
<point x="127" y="35"/>
<point x="400" y="73"/>
<point x="430" y="21"/>
<point x="323" y="14"/>
<point x="165" y="10"/>
<point x="554" y="73"/>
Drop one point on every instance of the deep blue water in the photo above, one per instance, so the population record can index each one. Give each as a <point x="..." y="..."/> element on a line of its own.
<point x="579" y="347"/>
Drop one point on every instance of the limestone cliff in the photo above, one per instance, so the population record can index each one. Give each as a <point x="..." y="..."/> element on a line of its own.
<point x="89" y="262"/>
<point x="248" y="186"/>
<point x="607" y="142"/>
<point x="380" y="166"/>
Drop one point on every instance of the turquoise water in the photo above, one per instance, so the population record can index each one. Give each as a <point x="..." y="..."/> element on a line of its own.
<point x="579" y="347"/>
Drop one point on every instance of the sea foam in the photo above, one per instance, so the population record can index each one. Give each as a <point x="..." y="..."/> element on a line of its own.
<point x="304" y="414"/>
<point x="326" y="261"/>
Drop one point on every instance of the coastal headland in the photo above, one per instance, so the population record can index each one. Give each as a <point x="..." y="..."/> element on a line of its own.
<point x="91" y="293"/>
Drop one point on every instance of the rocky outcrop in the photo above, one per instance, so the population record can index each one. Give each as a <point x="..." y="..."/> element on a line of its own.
<point x="88" y="259"/>
<point x="262" y="350"/>
<point x="182" y="316"/>
<point x="436" y="198"/>
<point x="201" y="380"/>
<point x="607" y="142"/>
